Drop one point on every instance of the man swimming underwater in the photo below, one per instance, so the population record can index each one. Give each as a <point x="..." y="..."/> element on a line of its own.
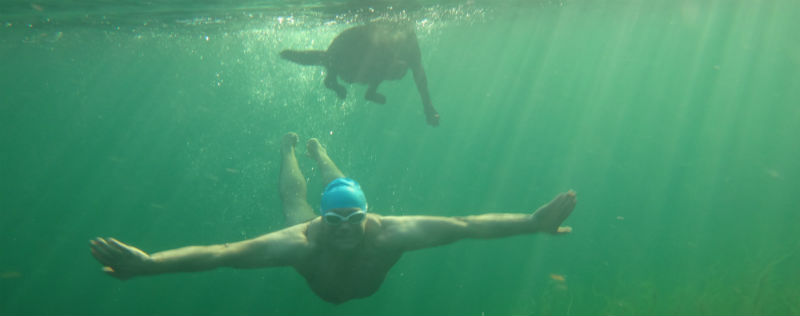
<point x="345" y="252"/>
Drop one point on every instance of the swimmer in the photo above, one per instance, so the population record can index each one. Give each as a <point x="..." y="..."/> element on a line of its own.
<point x="345" y="252"/>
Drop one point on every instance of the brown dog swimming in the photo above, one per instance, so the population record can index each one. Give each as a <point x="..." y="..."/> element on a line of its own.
<point x="370" y="54"/>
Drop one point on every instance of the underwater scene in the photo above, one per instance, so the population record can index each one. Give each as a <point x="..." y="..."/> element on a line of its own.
<point x="149" y="150"/>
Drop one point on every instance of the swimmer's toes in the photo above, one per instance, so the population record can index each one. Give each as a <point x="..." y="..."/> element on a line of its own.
<point x="314" y="148"/>
<point x="290" y="139"/>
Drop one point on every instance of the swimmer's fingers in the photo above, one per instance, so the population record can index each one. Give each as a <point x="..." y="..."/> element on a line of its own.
<point x="119" y="246"/>
<point x="568" y="206"/>
<point x="108" y="246"/>
<point x="564" y="215"/>
<point x="117" y="258"/>
<point x="100" y="254"/>
<point x="548" y="218"/>
<point x="129" y="253"/>
<point x="106" y="255"/>
<point x="102" y="247"/>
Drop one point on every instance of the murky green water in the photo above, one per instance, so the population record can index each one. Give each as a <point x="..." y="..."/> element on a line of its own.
<point x="159" y="123"/>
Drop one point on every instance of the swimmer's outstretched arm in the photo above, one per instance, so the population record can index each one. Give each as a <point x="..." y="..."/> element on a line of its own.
<point x="280" y="248"/>
<point x="416" y="232"/>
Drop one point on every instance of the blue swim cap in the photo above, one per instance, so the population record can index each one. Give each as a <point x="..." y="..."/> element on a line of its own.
<point x="343" y="193"/>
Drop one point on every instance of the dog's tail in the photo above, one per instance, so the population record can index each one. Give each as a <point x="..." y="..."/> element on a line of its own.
<point x="306" y="57"/>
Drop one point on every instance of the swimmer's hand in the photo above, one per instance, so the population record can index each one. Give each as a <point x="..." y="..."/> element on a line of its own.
<point x="120" y="260"/>
<point x="548" y="218"/>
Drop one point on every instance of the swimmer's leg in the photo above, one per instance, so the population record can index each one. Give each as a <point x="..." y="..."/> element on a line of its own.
<point x="328" y="170"/>
<point x="293" y="185"/>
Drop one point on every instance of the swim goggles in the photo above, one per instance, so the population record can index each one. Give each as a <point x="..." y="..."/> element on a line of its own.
<point x="335" y="219"/>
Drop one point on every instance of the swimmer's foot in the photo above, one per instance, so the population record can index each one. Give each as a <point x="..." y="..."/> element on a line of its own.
<point x="327" y="169"/>
<point x="289" y="142"/>
<point x="549" y="217"/>
<point x="315" y="150"/>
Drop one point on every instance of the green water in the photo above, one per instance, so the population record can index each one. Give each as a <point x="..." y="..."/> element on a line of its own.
<point x="159" y="123"/>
